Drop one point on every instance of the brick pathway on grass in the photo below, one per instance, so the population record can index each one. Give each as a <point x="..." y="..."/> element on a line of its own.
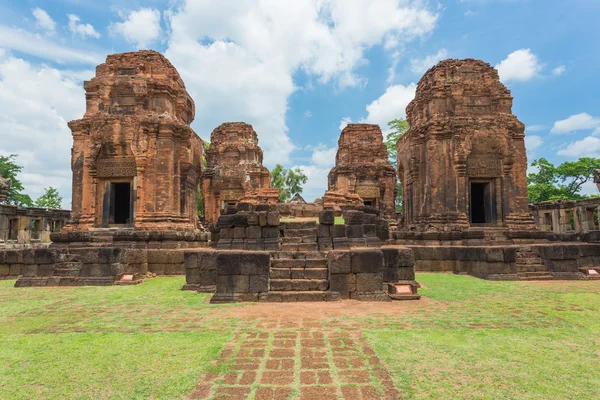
<point x="297" y="357"/>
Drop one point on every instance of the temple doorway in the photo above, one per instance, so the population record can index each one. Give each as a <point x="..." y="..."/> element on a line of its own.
<point x="118" y="204"/>
<point x="481" y="203"/>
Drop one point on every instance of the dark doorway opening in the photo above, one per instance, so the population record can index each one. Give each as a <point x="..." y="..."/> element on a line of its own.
<point x="480" y="203"/>
<point x="369" y="203"/>
<point x="121" y="203"/>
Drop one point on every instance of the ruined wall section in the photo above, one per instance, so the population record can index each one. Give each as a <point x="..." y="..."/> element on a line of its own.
<point x="462" y="129"/>
<point x="362" y="168"/>
<point x="136" y="129"/>
<point x="233" y="168"/>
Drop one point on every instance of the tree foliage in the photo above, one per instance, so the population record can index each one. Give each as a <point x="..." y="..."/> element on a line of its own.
<point x="398" y="128"/>
<point x="562" y="182"/>
<point x="10" y="169"/>
<point x="200" y="198"/>
<point x="50" y="199"/>
<point x="288" y="181"/>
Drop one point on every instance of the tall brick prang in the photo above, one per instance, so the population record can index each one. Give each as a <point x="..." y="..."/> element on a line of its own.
<point x="362" y="168"/>
<point x="463" y="163"/>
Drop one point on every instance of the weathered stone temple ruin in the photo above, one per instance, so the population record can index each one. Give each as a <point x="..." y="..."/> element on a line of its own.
<point x="137" y="166"/>
<point x="234" y="169"/>
<point x="463" y="163"/>
<point x="362" y="169"/>
<point x="135" y="160"/>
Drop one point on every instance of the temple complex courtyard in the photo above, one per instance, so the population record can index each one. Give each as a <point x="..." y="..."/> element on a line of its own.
<point x="465" y="338"/>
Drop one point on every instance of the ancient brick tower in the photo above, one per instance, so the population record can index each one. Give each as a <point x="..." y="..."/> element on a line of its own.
<point x="136" y="162"/>
<point x="362" y="167"/>
<point x="463" y="163"/>
<point x="233" y="167"/>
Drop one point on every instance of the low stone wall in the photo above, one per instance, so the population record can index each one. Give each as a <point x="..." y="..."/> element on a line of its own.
<point x="248" y="227"/>
<point x="562" y="260"/>
<point x="200" y="270"/>
<point x="131" y="239"/>
<point x="361" y="273"/>
<point x="359" y="230"/>
<point x="241" y="276"/>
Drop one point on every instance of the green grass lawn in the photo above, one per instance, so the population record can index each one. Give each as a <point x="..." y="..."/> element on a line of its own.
<point x="497" y="340"/>
<point x="467" y="338"/>
<point x="145" y="341"/>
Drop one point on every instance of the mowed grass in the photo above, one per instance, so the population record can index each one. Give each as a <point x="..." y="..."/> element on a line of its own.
<point x="496" y="340"/>
<point x="150" y="341"/>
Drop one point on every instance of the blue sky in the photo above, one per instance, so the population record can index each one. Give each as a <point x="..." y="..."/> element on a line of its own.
<point x="297" y="70"/>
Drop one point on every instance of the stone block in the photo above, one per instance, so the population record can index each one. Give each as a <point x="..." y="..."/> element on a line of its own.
<point x="341" y="243"/>
<point x="355" y="231"/>
<point x="224" y="244"/>
<point x="357" y="242"/>
<point x="262" y="207"/>
<point x="372" y="242"/>
<point x="367" y="261"/>
<point x="258" y="283"/>
<point x="390" y="274"/>
<point x="383" y="229"/>
<point x="494" y="254"/>
<point x="406" y="273"/>
<point x="510" y="254"/>
<point x="192" y="275"/>
<point x="352" y="217"/>
<point x="232" y="283"/>
<point x="338" y="231"/>
<point x="270" y="232"/>
<point x="339" y="262"/>
<point x="208" y="277"/>
<point x="273" y="218"/>
<point x="271" y="244"/>
<point x="225" y="221"/>
<point x="324" y="230"/>
<point x="326" y="217"/>
<point x="253" y="218"/>
<point x="369" y="219"/>
<point x="254" y="232"/>
<point x="238" y="244"/>
<point x="369" y="282"/>
<point x="262" y="218"/>
<point x="370" y="230"/>
<point x="254" y="244"/>
<point x="343" y="284"/>
<point x="244" y="206"/>
<point x="325" y="244"/>
<point x="240" y="220"/>
<point x="5" y="269"/>
<point x="190" y="260"/>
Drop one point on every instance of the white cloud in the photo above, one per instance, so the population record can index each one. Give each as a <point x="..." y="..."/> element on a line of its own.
<point x="420" y="66"/>
<point x="316" y="184"/>
<point x="83" y="30"/>
<point x="534" y="128"/>
<point x="344" y="122"/>
<point x="36" y="103"/>
<point x="558" y="71"/>
<point x="324" y="157"/>
<point x="141" y="27"/>
<point x="587" y="147"/>
<point x="578" y="122"/>
<point x="43" y="20"/>
<point x="521" y="65"/>
<point x="307" y="114"/>
<point x="38" y="46"/>
<point x="238" y="59"/>
<point x="533" y="142"/>
<point x="391" y="105"/>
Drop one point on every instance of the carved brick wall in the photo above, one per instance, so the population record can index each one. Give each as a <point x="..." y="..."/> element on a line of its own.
<point x="136" y="130"/>
<point x="462" y="132"/>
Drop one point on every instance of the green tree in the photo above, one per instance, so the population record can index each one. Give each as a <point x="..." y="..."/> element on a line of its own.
<point x="288" y="181"/>
<point x="398" y="128"/>
<point x="562" y="182"/>
<point x="10" y="169"/>
<point x="50" y="199"/>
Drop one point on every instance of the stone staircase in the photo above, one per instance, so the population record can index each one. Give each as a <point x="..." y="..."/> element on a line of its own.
<point x="67" y="267"/>
<point x="299" y="236"/>
<point x="299" y="276"/>
<point x="530" y="267"/>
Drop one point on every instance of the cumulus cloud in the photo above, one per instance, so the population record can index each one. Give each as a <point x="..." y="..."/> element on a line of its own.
<point x="324" y="157"/>
<point x="534" y="128"/>
<point x="83" y="30"/>
<point x="344" y="122"/>
<point x="558" y="71"/>
<point x="390" y="105"/>
<point x="36" y="103"/>
<point x="35" y="45"/>
<point x="43" y="20"/>
<point x="533" y="142"/>
<point x="577" y="122"/>
<point x="141" y="27"/>
<point x="587" y="147"/>
<point x="238" y="59"/>
<point x="521" y="65"/>
<point x="421" y="65"/>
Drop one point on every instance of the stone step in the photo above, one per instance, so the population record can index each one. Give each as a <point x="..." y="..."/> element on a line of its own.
<point x="300" y="232"/>
<point x="299" y="255"/>
<point x="299" y="273"/>
<point x="302" y="247"/>
<point x="299" y="225"/>
<point x="294" y="296"/>
<point x="60" y="271"/>
<point x="299" y="239"/>
<point x="68" y="257"/>
<point x="535" y="276"/>
<point x="298" y="263"/>
<point x="298" y="285"/>
<point x="531" y="260"/>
